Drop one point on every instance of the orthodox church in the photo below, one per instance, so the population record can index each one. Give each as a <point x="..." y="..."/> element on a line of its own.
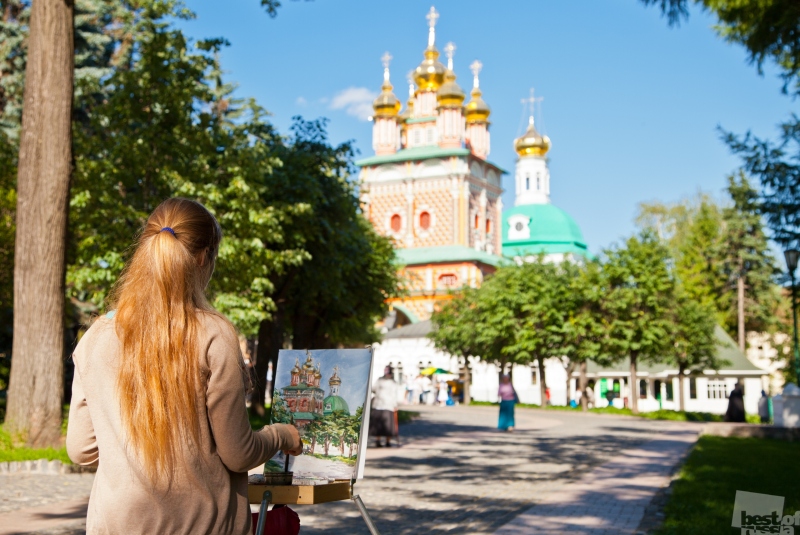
<point x="304" y="397"/>
<point x="432" y="187"/>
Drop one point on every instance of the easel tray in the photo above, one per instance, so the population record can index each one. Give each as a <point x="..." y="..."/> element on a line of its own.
<point x="301" y="494"/>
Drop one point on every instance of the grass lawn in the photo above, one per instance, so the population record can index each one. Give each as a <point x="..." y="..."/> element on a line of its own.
<point x="663" y="414"/>
<point x="703" y="496"/>
<point x="9" y="451"/>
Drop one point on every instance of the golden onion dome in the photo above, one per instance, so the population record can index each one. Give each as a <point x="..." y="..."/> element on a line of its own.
<point x="532" y="143"/>
<point x="450" y="94"/>
<point x="477" y="111"/>
<point x="387" y="104"/>
<point x="429" y="75"/>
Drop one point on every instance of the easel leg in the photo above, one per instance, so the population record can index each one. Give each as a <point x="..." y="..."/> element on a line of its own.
<point x="365" y="515"/>
<point x="262" y="512"/>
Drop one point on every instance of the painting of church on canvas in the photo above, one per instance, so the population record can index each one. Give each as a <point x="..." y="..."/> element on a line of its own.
<point x="324" y="394"/>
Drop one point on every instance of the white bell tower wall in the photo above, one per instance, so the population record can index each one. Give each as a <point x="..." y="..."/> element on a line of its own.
<point x="532" y="181"/>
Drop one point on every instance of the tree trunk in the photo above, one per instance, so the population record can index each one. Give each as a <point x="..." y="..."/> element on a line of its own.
<point x="270" y="342"/>
<point x="740" y="295"/>
<point x="45" y="161"/>
<point x="583" y="384"/>
<point x="542" y="382"/>
<point x="634" y="387"/>
<point x="681" y="371"/>
<point x="569" y="369"/>
<point x="467" y="382"/>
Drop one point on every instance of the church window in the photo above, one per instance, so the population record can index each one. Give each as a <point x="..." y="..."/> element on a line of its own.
<point x="417" y="137"/>
<point x="396" y="222"/>
<point x="527" y="182"/>
<point x="717" y="390"/>
<point x="424" y="220"/>
<point x="477" y="221"/>
<point x="430" y="136"/>
<point x="448" y="280"/>
<point x="538" y="182"/>
<point x="642" y="388"/>
<point x="488" y="226"/>
<point x="519" y="226"/>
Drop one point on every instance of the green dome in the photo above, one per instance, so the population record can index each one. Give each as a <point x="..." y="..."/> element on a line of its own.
<point x="541" y="228"/>
<point x="334" y="404"/>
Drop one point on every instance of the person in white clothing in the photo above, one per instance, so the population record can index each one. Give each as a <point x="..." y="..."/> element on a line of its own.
<point x="384" y="404"/>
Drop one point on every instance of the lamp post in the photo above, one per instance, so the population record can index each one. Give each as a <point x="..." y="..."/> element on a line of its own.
<point x="792" y="256"/>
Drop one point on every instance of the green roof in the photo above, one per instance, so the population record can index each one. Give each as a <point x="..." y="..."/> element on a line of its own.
<point x="552" y="230"/>
<point x="421" y="153"/>
<point x="446" y="253"/>
<point x="415" y="120"/>
<point x="301" y="387"/>
<point x="305" y="416"/>
<point x="726" y="350"/>
<point x="416" y="153"/>
<point x="337" y="404"/>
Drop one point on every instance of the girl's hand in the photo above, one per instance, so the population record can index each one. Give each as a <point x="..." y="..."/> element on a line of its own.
<point x="297" y="443"/>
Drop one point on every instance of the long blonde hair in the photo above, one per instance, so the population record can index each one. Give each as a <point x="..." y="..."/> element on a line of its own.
<point x="158" y="300"/>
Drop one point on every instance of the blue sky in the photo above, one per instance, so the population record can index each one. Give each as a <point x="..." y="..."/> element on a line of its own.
<point x="631" y="106"/>
<point x="354" y="366"/>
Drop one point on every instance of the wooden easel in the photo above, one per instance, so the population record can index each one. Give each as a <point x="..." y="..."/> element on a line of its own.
<point x="306" y="495"/>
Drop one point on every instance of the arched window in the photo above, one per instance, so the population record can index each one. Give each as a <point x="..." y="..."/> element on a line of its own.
<point x="477" y="221"/>
<point x="396" y="222"/>
<point x="424" y="220"/>
<point x="488" y="226"/>
<point x="538" y="182"/>
<point x="448" y="280"/>
<point x="527" y="182"/>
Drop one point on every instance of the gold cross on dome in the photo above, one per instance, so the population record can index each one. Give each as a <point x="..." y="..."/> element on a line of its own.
<point x="531" y="102"/>
<point x="476" y="67"/>
<point x="450" y="51"/>
<point x="386" y="59"/>
<point x="432" y="17"/>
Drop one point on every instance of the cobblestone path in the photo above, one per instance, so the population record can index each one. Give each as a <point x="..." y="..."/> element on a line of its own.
<point x="454" y="473"/>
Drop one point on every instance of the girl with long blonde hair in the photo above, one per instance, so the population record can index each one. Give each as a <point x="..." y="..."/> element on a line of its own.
<point x="158" y="398"/>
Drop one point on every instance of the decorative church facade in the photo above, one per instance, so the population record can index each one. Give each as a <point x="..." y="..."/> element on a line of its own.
<point x="432" y="188"/>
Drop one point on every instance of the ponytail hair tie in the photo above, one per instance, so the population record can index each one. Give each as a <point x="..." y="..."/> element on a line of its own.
<point x="168" y="230"/>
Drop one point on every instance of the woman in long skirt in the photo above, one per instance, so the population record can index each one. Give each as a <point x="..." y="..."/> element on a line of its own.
<point x="508" y="398"/>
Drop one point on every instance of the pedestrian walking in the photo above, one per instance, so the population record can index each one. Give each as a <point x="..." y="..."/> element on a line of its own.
<point x="735" y="411"/>
<point x="763" y="407"/>
<point x="158" y="397"/>
<point x="442" y="394"/>
<point x="508" y="398"/>
<point x="384" y="404"/>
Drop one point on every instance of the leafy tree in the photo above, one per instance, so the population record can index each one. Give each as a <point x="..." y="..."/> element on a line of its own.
<point x="637" y="303"/>
<point x="336" y="296"/>
<point x="585" y="328"/>
<point x="694" y="346"/>
<point x="749" y="263"/>
<point x="454" y="330"/>
<point x="693" y="232"/>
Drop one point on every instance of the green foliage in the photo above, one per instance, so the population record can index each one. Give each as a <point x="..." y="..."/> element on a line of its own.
<point x="638" y="298"/>
<point x="702" y="498"/>
<point x="14" y="450"/>
<point x="167" y="127"/>
<point x="336" y="296"/>
<point x="712" y="246"/>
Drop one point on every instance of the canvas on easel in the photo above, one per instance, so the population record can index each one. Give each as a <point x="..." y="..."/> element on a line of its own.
<point x="325" y="394"/>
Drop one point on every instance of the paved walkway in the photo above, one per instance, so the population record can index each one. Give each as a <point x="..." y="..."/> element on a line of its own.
<point x="612" y="499"/>
<point x="561" y="472"/>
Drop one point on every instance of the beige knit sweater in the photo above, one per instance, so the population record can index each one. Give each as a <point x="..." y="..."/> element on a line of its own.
<point x="208" y="495"/>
